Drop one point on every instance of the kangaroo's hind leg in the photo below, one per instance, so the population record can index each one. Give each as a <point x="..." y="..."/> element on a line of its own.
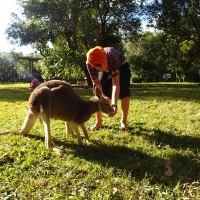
<point x="69" y="130"/>
<point x="84" y="131"/>
<point x="45" y="98"/>
<point x="28" y="123"/>
<point x="45" y="117"/>
<point x="75" y="128"/>
<point x="26" y="126"/>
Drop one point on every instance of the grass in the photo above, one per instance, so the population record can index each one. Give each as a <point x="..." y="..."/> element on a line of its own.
<point x="164" y="121"/>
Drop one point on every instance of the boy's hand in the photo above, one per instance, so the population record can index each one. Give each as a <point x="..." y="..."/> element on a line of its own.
<point x="114" y="110"/>
<point x="107" y="98"/>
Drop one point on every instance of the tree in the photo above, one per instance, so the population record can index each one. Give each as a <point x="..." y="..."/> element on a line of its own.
<point x="153" y="54"/>
<point x="144" y="54"/>
<point x="11" y="67"/>
<point x="180" y="19"/>
<point x="64" y="30"/>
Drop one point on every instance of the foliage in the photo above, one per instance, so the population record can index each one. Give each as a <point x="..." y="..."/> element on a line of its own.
<point x="13" y="68"/>
<point x="144" y="56"/>
<point x="135" y="79"/>
<point x="179" y="19"/>
<point x="164" y="121"/>
<point x="8" y="65"/>
<point x="63" y="64"/>
<point x="64" y="30"/>
<point x="153" y="54"/>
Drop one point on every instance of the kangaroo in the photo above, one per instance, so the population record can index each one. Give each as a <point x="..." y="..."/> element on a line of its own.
<point x="57" y="99"/>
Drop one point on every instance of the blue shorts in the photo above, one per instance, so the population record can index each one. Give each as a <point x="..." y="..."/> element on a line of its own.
<point x="106" y="82"/>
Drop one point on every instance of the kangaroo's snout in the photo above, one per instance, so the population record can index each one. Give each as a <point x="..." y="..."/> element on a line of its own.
<point x="111" y="113"/>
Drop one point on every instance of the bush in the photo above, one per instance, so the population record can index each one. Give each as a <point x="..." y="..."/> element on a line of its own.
<point x="135" y="79"/>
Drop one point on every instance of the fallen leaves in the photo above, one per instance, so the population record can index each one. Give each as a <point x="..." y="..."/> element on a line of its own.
<point x="115" y="190"/>
<point x="169" y="171"/>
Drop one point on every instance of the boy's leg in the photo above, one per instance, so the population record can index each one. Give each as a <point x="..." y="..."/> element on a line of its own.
<point x="125" y="75"/>
<point x="125" y="102"/>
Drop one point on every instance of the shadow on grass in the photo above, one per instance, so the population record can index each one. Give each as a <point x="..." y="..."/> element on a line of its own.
<point x="162" y="138"/>
<point x="186" y="92"/>
<point x="138" y="164"/>
<point x="162" y="91"/>
<point x="14" y="94"/>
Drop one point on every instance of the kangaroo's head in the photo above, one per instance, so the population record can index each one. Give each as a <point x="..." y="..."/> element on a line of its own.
<point x="104" y="105"/>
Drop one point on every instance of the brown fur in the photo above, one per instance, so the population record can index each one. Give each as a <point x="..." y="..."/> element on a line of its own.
<point x="57" y="99"/>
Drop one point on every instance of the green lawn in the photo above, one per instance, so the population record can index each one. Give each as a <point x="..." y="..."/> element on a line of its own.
<point x="158" y="159"/>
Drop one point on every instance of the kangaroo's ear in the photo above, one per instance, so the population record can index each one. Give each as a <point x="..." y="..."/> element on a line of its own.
<point x="97" y="91"/>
